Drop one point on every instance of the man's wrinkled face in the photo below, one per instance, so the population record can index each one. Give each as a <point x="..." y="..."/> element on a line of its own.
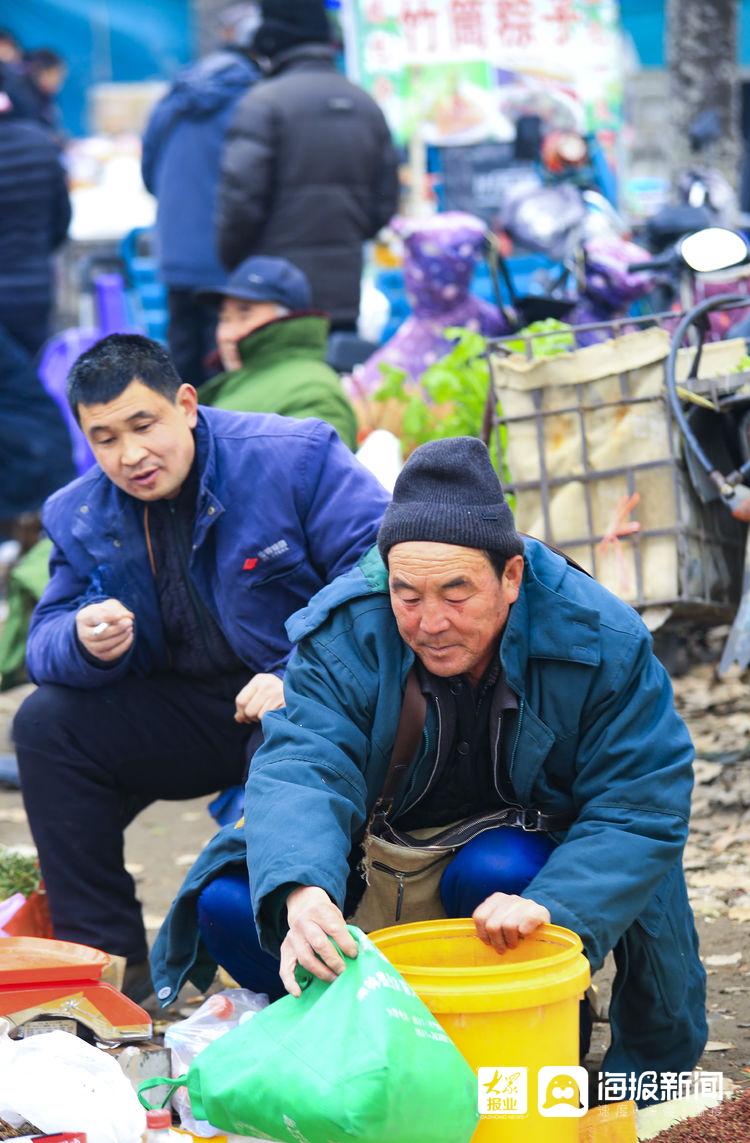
<point x="238" y="318"/>
<point x="142" y="441"/>
<point x="449" y="604"/>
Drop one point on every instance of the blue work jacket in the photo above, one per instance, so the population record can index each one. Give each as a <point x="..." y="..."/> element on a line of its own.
<point x="282" y="508"/>
<point x="182" y="149"/>
<point x="595" y="737"/>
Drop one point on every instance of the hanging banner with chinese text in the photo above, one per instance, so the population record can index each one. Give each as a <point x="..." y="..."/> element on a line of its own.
<point x="465" y="71"/>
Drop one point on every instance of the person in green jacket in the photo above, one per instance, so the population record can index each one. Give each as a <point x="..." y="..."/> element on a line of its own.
<point x="273" y="348"/>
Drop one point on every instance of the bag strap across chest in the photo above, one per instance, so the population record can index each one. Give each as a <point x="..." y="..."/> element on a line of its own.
<point x="408" y="736"/>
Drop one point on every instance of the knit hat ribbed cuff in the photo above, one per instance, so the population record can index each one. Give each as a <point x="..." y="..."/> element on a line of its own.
<point x="468" y="526"/>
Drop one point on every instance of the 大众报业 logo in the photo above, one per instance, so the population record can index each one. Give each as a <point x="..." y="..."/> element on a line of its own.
<point x="502" y="1091"/>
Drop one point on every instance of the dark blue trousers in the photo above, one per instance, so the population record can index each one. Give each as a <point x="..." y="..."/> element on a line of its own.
<point x="90" y="760"/>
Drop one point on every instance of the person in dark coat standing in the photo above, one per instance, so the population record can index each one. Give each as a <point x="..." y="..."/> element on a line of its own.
<point x="180" y="166"/>
<point x="34" y="219"/>
<point x="309" y="172"/>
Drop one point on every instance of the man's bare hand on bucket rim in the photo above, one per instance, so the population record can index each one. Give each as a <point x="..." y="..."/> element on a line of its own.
<point x="503" y="919"/>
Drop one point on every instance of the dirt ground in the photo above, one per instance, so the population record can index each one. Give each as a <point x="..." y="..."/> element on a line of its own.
<point x="163" y="842"/>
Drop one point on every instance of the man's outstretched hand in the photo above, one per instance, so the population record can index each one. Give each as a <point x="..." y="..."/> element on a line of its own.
<point x="106" y="629"/>
<point x="313" y="919"/>
<point x="262" y="693"/>
<point x="503" y="919"/>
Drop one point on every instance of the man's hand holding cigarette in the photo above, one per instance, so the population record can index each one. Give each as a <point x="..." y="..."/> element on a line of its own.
<point x="105" y="629"/>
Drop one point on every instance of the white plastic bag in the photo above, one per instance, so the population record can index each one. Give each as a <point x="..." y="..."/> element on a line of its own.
<point x="382" y="454"/>
<point x="59" y="1083"/>
<point x="185" y="1039"/>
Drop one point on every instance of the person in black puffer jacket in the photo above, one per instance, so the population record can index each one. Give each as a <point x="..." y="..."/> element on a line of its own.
<point x="34" y="219"/>
<point x="309" y="170"/>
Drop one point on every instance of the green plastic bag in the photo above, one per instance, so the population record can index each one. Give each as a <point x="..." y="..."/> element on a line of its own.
<point x="361" y="1058"/>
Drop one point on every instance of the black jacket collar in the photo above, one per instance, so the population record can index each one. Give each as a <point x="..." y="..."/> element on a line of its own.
<point x="304" y="55"/>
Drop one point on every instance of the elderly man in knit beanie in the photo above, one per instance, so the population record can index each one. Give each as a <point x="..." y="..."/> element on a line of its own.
<point x="309" y="172"/>
<point x="470" y="689"/>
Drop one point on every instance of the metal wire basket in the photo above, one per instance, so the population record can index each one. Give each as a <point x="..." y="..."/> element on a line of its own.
<point x="588" y="447"/>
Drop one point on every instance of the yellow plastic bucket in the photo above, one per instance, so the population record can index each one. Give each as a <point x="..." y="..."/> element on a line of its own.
<point x="513" y="1014"/>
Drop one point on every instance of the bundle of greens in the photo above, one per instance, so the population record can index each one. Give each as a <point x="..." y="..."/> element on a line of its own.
<point x="455" y="387"/>
<point x="18" y="874"/>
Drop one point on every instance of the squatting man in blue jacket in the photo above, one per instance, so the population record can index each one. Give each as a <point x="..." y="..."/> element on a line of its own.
<point x="542" y="692"/>
<point x="159" y="642"/>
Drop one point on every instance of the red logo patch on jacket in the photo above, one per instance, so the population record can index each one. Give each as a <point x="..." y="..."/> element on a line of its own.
<point x="250" y="563"/>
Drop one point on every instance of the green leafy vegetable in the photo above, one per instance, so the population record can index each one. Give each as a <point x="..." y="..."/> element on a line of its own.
<point x="456" y="388"/>
<point x="18" y="874"/>
<point x="560" y="338"/>
<point x="458" y="383"/>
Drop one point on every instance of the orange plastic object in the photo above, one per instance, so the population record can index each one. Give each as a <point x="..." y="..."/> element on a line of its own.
<point x="47" y="978"/>
<point x="32" y="919"/>
<point x="100" y="1007"/>
<point x="31" y="960"/>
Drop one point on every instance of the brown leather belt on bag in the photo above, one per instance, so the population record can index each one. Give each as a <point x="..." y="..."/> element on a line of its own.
<point x="402" y="870"/>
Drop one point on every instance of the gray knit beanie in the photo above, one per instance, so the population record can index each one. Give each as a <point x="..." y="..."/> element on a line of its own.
<point x="448" y="492"/>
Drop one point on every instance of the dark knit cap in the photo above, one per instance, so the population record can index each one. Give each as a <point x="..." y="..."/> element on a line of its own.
<point x="448" y="492"/>
<point x="289" y="23"/>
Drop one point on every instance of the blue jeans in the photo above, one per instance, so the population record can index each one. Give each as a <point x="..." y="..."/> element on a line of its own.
<point x="503" y="860"/>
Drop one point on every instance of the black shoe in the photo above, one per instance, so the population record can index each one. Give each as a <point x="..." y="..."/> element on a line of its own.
<point x="136" y="984"/>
